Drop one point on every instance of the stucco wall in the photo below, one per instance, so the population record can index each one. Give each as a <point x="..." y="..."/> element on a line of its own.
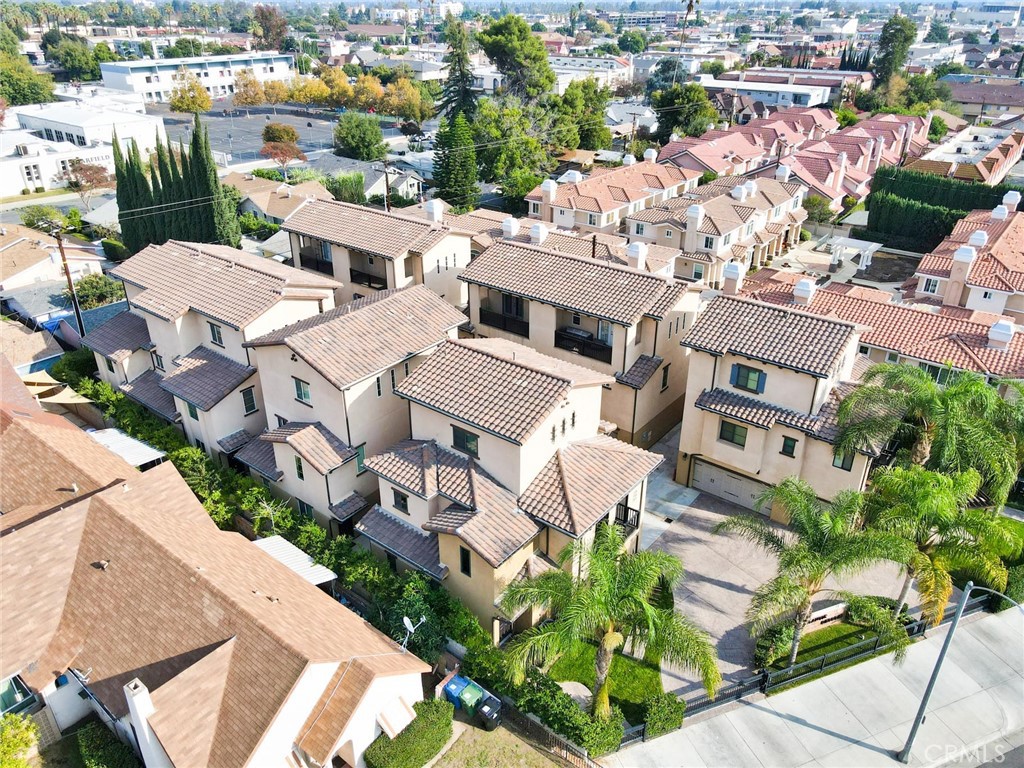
<point x="362" y="729"/>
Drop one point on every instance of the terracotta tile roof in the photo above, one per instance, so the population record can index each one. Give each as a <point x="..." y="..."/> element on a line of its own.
<point x="147" y="390"/>
<point x="509" y="350"/>
<point x="117" y="338"/>
<point x="348" y="507"/>
<point x="404" y="540"/>
<point x="379" y="233"/>
<point x="999" y="263"/>
<point x="493" y="532"/>
<point x="612" y="188"/>
<point x="584" y="480"/>
<point x="640" y="372"/>
<point x="234" y="441"/>
<point x="366" y="336"/>
<point x="258" y="455"/>
<point x="218" y="281"/>
<point x="506" y="398"/>
<point x="786" y="337"/>
<point x="204" y="377"/>
<point x="315" y="443"/>
<point x="615" y="293"/>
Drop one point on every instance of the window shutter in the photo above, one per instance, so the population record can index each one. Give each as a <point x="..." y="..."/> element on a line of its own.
<point x="760" y="382"/>
<point x="734" y="374"/>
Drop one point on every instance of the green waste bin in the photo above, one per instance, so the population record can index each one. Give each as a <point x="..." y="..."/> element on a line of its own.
<point x="471" y="697"/>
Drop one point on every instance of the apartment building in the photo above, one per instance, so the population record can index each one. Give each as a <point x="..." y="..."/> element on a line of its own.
<point x="484" y="494"/>
<point x="772" y="94"/>
<point x="329" y="387"/>
<point x="977" y="154"/>
<point x="89" y="126"/>
<point x="179" y="350"/>
<point x="729" y="219"/>
<point x="569" y="299"/>
<point x="601" y="201"/>
<point x="371" y="250"/>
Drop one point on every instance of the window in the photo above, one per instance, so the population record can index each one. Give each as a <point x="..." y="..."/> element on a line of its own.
<point x="746" y="378"/>
<point x="410" y="268"/>
<point x="392" y="562"/>
<point x="192" y="411"/>
<point x="862" y="349"/>
<point x="393" y="382"/>
<point x="302" y="391"/>
<point x="843" y="461"/>
<point x="664" y="377"/>
<point x="401" y="502"/>
<point x="709" y="243"/>
<point x="669" y="234"/>
<point x="938" y="372"/>
<point x="931" y="285"/>
<point x="727" y="239"/>
<point x="554" y="433"/>
<point x="591" y="220"/>
<point x="639" y="228"/>
<point x="380" y="391"/>
<point x="535" y="208"/>
<point x="733" y="433"/>
<point x="788" y="446"/>
<point x="249" y="400"/>
<point x="698" y="271"/>
<point x="158" y="361"/>
<point x="407" y="368"/>
<point x="572" y="421"/>
<point x="512" y="306"/>
<point x="360" y="459"/>
<point x="325" y="251"/>
<point x="986" y="294"/>
<point x="110" y="365"/>
<point x="892" y="357"/>
<point x="576" y="319"/>
<point x="281" y="421"/>
<point x="306" y="510"/>
<point x="465" y="561"/>
<point x="465" y="441"/>
<point x="201" y="445"/>
<point x="299" y="473"/>
<point x="215" y="334"/>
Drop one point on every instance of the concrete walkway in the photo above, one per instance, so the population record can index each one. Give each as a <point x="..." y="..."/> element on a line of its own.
<point x="857" y="717"/>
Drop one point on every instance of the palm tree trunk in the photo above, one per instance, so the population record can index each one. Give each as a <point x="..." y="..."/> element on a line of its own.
<point x="921" y="450"/>
<point x="601" y="704"/>
<point x="904" y="592"/>
<point x="802" y="617"/>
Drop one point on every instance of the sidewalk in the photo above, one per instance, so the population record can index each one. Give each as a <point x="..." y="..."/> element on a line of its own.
<point x="859" y="716"/>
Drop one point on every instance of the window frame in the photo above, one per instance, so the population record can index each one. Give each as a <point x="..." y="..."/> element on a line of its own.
<point x="664" y="374"/>
<point x="465" y="561"/>
<point x="110" y="365"/>
<point x="933" y="282"/>
<point x="216" y="334"/>
<point x="462" y="438"/>
<point x="737" y="433"/>
<point x="737" y="381"/>
<point x="302" y="388"/>
<point x="193" y="412"/>
<point x="791" y="442"/>
<point x="305" y="509"/>
<point x="843" y="461"/>
<point x="246" y="411"/>
<point x="401" y="501"/>
<point x="300" y="470"/>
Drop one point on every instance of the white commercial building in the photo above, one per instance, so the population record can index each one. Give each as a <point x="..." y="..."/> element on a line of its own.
<point x="98" y="97"/>
<point x="156" y="79"/>
<point x="28" y="162"/>
<point x="771" y="94"/>
<point x="87" y="127"/>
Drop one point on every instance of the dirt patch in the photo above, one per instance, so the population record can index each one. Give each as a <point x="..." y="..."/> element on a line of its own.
<point x="477" y="748"/>
<point x="890" y="267"/>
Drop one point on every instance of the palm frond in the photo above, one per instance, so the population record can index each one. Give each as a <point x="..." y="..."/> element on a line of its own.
<point x="681" y="642"/>
<point x="535" y="646"/>
<point x="775" y="600"/>
<point x="754" y="530"/>
<point x="888" y="628"/>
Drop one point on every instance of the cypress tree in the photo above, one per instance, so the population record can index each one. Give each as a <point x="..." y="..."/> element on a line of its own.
<point x="158" y="220"/>
<point x="202" y="215"/>
<point x="125" y="198"/>
<point x="144" y="198"/>
<point x="186" y="221"/>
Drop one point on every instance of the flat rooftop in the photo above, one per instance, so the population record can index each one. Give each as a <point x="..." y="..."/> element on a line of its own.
<point x="970" y="146"/>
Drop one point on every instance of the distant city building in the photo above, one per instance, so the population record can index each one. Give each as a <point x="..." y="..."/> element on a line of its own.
<point x="771" y="94"/>
<point x="977" y="153"/>
<point x="29" y="163"/>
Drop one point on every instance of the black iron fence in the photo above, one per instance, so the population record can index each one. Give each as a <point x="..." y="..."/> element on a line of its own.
<point x="544" y="738"/>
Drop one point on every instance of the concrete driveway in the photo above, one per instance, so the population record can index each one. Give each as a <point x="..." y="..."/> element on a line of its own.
<point x="722" y="571"/>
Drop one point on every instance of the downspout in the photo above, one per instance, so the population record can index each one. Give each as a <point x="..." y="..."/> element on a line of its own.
<point x="632" y="426"/>
<point x="814" y="396"/>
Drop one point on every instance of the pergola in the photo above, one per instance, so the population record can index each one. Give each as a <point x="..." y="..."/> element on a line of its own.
<point x="840" y="246"/>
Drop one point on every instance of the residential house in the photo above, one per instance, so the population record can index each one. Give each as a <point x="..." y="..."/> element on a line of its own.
<point x="328" y="385"/>
<point x="596" y="305"/>
<point x="728" y="219"/>
<point x="738" y="109"/>
<point x="28" y="257"/>
<point x="371" y="250"/>
<point x="976" y="154"/>
<point x="271" y="200"/>
<point x="988" y="99"/>
<point x="125" y="604"/>
<point x="179" y="349"/>
<point x="376" y="182"/>
<point x="762" y="394"/>
<point x="601" y="201"/>
<point x="484" y="494"/>
<point x="730" y="155"/>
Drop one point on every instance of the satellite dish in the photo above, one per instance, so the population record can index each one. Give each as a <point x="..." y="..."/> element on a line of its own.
<point x="408" y="624"/>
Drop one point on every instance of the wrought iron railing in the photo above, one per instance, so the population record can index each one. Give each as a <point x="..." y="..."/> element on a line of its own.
<point x="515" y="325"/>
<point x="596" y="350"/>
<point x="370" y="281"/>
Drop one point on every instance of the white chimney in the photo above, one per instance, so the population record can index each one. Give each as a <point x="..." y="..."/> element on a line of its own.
<point x="732" y="278"/>
<point x="140" y="709"/>
<point x="509" y="228"/>
<point x="674" y="137"/>
<point x="650" y="155"/>
<point x="782" y="173"/>
<point x="803" y="292"/>
<point x="1000" y="335"/>
<point x="537" y="233"/>
<point x="1011" y="199"/>
<point x="841" y="159"/>
<point x="636" y="254"/>
<point x="628" y="160"/>
<point x="739" y="192"/>
<point x="694" y="216"/>
<point x="964" y="254"/>
<point x="978" y="238"/>
<point x="751" y="186"/>
<point x="435" y="211"/>
<point x="999" y="213"/>
<point x="548" y="190"/>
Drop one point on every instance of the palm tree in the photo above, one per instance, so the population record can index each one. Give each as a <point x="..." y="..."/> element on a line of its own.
<point x="952" y="427"/>
<point x="828" y="539"/>
<point x="931" y="511"/>
<point x="608" y="605"/>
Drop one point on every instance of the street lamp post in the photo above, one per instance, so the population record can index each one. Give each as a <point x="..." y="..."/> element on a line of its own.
<point x="231" y="145"/>
<point x="309" y="125"/>
<point x="903" y="755"/>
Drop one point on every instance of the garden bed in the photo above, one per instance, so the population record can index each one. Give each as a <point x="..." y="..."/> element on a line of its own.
<point x="633" y="680"/>
<point x="832" y="640"/>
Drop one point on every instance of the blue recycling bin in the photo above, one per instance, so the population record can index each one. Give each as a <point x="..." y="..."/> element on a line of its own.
<point x="453" y="690"/>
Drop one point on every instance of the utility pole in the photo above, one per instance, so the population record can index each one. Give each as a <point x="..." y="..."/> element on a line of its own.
<point x="387" y="187"/>
<point x="67" y="273"/>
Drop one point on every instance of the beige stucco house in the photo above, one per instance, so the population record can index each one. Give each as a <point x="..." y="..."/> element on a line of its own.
<point x="28" y="256"/>
<point x="329" y="387"/>
<point x="506" y="465"/>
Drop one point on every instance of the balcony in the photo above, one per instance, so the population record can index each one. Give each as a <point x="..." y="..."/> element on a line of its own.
<point x="318" y="265"/>
<point x="577" y="341"/>
<point x="627" y="517"/>
<point x="515" y="325"/>
<point x="376" y="282"/>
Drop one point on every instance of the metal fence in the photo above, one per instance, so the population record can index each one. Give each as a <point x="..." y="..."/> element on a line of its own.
<point x="544" y="738"/>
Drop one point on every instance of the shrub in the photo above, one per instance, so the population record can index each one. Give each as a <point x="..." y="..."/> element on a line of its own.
<point x="18" y="734"/>
<point x="280" y="132"/>
<point x="74" y="366"/>
<point x="421" y="740"/>
<point x="268" y="173"/>
<point x="664" y="713"/>
<point x="855" y="615"/>
<point x="805" y="235"/>
<point x="774" y="643"/>
<point x="115" y="250"/>
<point x="1014" y="588"/>
<point x="101" y="749"/>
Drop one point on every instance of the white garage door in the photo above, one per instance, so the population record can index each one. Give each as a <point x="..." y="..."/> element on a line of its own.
<point x="727" y="485"/>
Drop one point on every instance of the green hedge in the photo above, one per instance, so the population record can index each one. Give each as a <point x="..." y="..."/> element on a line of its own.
<point x="937" y="190"/>
<point x="114" y="250"/>
<point x="100" y="748"/>
<point x="418" y="743"/>
<point x="773" y="644"/>
<point x="922" y="223"/>
<point x="664" y="713"/>
<point x="1014" y="588"/>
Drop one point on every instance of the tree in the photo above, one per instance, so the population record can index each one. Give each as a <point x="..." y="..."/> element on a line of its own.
<point x="283" y="153"/>
<point x="359" y="136"/>
<point x="188" y="94"/>
<point x="519" y="55"/>
<point x="275" y="92"/>
<point x="633" y="41"/>
<point x="280" y="132"/>
<point x="455" y="164"/>
<point x="458" y="94"/>
<point x="846" y="117"/>
<point x="971" y="38"/>
<point x="248" y="91"/>
<point x="818" y="209"/>
<point x="269" y="27"/>
<point x="347" y="187"/>
<point x="894" y="43"/>
<point x="592" y="102"/>
<point x="10" y="45"/>
<point x="98" y="290"/>
<point x="610" y="606"/>
<point x="937" y="130"/>
<point x="713" y="68"/>
<point x="937" y="33"/>
<point x="309" y="90"/>
<point x="403" y="99"/>
<point x="18" y="734"/>
<point x="505" y="135"/>
<point x="20" y="84"/>
<point x="685" y="109"/>
<point x="825" y="539"/>
<point x="42" y="217"/>
<point x="367" y="93"/>
<point x="932" y="512"/>
<point x="952" y="427"/>
<point x="76" y="58"/>
<point x="85" y="179"/>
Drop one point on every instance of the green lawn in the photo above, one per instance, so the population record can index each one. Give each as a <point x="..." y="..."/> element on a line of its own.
<point x="62" y="754"/>
<point x="633" y="680"/>
<point x="831" y="639"/>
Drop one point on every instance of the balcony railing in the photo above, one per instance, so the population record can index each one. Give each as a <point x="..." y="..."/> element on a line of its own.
<point x="370" y="281"/>
<point x="318" y="265"/>
<point x="596" y="350"/>
<point x="515" y="325"/>
<point x="627" y="517"/>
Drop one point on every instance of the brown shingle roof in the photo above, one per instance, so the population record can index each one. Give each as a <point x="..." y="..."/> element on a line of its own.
<point x="259" y="455"/>
<point x="402" y="539"/>
<point x="640" y="372"/>
<point x="507" y="398"/>
<point x="315" y="443"/>
<point x="366" y="336"/>
<point x="147" y="390"/>
<point x="351" y="505"/>
<point x="204" y="377"/>
<point x="234" y="441"/>
<point x="784" y="337"/>
<point x="117" y="338"/>
<point x="218" y="281"/>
